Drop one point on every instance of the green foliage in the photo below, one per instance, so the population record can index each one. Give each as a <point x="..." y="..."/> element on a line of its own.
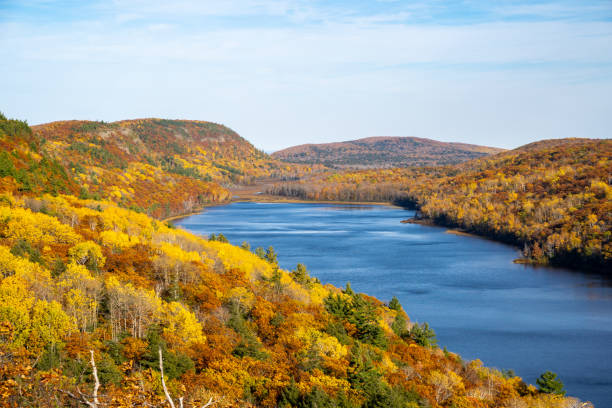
<point x="24" y="249"/>
<point x="359" y="312"/>
<point x="114" y="350"/>
<point x="291" y="397"/>
<point x="509" y="373"/>
<point x="249" y="345"/>
<point x="108" y="372"/>
<point x="50" y="358"/>
<point x="276" y="281"/>
<point x="364" y="377"/>
<point x="363" y="316"/>
<point x="44" y="176"/>
<point x="300" y="275"/>
<point x="7" y="168"/>
<point x="337" y="330"/>
<point x="338" y="305"/>
<point x="277" y="319"/>
<point x="271" y="256"/>
<point x="99" y="154"/>
<point x="229" y="169"/>
<point x="260" y="252"/>
<point x="549" y="383"/>
<point x="91" y="126"/>
<point x="175" y="363"/>
<point x="423" y="335"/>
<point x="394" y="304"/>
<point x="58" y="267"/>
<point x="399" y="325"/>
<point x="170" y="165"/>
<point x="218" y="238"/>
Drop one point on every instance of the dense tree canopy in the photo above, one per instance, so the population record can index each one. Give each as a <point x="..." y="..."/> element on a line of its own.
<point x="553" y="199"/>
<point x="95" y="298"/>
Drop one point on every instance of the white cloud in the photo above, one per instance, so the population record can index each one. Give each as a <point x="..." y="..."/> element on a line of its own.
<point x="349" y="75"/>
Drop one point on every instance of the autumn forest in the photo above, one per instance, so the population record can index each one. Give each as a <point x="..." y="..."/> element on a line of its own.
<point x="105" y="303"/>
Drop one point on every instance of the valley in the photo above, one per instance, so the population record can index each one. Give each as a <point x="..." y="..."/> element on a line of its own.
<point x="92" y="279"/>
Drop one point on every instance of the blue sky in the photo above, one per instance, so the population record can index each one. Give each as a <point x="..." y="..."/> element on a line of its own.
<point x="286" y="72"/>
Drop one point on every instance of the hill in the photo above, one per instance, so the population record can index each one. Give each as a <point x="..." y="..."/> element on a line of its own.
<point x="553" y="198"/>
<point x="102" y="306"/>
<point x="161" y="167"/>
<point x="384" y="152"/>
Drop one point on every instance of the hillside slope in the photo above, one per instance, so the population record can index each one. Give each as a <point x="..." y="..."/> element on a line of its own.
<point x="551" y="198"/>
<point x="95" y="299"/>
<point x="384" y="152"/>
<point x="87" y="284"/>
<point x="161" y="167"/>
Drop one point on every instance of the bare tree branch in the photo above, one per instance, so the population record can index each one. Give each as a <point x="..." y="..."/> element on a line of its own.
<point x="210" y="401"/>
<point x="161" y="369"/>
<point x="97" y="384"/>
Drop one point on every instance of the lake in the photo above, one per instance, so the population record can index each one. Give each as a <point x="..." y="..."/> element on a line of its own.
<point x="480" y="304"/>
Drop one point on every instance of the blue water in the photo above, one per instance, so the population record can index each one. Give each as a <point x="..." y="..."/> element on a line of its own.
<point x="480" y="304"/>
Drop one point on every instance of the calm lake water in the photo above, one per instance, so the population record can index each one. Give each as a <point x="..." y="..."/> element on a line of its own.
<point x="480" y="304"/>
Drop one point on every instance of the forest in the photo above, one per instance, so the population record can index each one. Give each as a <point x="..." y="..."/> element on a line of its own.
<point x="552" y="198"/>
<point x="157" y="166"/>
<point x="102" y="305"/>
<point x="384" y="152"/>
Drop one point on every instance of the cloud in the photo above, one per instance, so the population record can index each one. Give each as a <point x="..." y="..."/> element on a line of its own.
<point x="286" y="72"/>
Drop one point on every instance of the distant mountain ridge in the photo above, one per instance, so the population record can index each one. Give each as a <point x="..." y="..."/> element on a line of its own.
<point x="384" y="152"/>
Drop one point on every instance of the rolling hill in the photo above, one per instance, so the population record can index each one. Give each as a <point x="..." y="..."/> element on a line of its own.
<point x="157" y="166"/>
<point x="384" y="152"/>
<point x="103" y="306"/>
<point x="551" y="198"/>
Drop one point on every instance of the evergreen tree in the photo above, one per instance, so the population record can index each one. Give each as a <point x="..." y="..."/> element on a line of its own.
<point x="549" y="383"/>
<point x="394" y="304"/>
<point x="271" y="256"/>
<point x="300" y="274"/>
<point x="423" y="335"/>
<point x="260" y="252"/>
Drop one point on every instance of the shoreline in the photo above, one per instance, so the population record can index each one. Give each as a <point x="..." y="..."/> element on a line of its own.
<point x="274" y="199"/>
<point x="266" y="198"/>
<point x="194" y="212"/>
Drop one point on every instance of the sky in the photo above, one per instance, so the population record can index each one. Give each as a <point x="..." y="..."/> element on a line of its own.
<point x="288" y="72"/>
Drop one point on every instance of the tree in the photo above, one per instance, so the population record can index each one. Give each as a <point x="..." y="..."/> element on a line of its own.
<point x="260" y="252"/>
<point x="399" y="325"/>
<point x="394" y="304"/>
<point x="271" y="256"/>
<point x="300" y="274"/>
<point x="89" y="254"/>
<point x="423" y="335"/>
<point x="549" y="383"/>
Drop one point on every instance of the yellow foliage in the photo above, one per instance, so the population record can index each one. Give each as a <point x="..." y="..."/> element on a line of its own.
<point x="15" y="305"/>
<point x="87" y="253"/>
<point x="49" y="321"/>
<point x="182" y="323"/>
<point x="234" y="257"/>
<point x="118" y="239"/>
<point x="178" y="254"/>
<point x="30" y="318"/>
<point x="324" y="344"/>
<point x="35" y="228"/>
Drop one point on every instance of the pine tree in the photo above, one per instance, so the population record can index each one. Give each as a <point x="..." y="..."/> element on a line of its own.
<point x="549" y="383"/>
